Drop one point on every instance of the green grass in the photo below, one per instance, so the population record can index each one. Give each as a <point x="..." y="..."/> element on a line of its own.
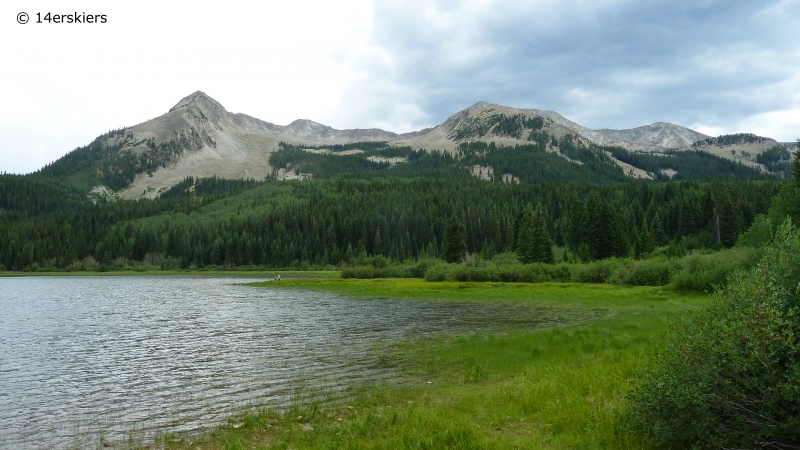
<point x="558" y="388"/>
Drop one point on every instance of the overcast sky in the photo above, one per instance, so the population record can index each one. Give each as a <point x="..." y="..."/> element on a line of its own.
<point x="401" y="65"/>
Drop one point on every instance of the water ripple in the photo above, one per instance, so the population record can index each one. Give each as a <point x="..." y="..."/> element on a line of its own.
<point x="92" y="356"/>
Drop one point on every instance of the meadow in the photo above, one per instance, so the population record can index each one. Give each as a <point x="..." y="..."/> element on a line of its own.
<point x="560" y="387"/>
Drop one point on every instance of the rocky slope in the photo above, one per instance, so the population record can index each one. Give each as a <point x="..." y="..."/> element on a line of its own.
<point x="659" y="134"/>
<point x="198" y="137"/>
<point x="229" y="145"/>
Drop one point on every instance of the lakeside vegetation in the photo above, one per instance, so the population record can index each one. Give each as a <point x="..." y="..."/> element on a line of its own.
<point x="701" y="271"/>
<point x="554" y="388"/>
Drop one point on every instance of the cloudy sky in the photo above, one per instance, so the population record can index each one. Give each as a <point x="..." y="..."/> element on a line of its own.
<point x="401" y="65"/>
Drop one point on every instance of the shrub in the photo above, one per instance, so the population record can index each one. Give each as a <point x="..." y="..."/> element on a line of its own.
<point x="372" y="272"/>
<point x="562" y="273"/>
<point x="757" y="235"/>
<point x="534" y="273"/>
<point x="729" y="377"/>
<point x="653" y="272"/>
<point x="596" y="272"/>
<point x="437" y="272"/>
<point x="419" y="269"/>
<point x="359" y="272"/>
<point x="379" y="262"/>
<point x="706" y="272"/>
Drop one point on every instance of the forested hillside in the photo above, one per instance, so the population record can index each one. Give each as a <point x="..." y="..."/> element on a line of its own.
<point x="566" y="161"/>
<point x="204" y="223"/>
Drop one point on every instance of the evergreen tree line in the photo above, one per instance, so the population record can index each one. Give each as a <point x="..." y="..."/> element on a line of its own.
<point x="530" y="163"/>
<point x="689" y="165"/>
<point x="730" y="139"/>
<point x="104" y="162"/>
<point x="513" y="126"/>
<point x="776" y="160"/>
<point x="324" y="222"/>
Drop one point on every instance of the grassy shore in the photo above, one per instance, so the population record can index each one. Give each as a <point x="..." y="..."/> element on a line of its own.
<point x="557" y="388"/>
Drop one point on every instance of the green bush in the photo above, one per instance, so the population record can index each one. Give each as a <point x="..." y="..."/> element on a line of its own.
<point x="595" y="272"/>
<point x="701" y="272"/>
<point x="372" y="272"/>
<point x="729" y="377"/>
<point x="757" y="235"/>
<point x="359" y="272"/>
<point x="562" y="272"/>
<point x="705" y="272"/>
<point x="437" y="272"/>
<point x="651" y="272"/>
<point x="419" y="269"/>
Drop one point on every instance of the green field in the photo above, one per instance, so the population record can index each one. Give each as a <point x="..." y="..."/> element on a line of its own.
<point x="555" y="388"/>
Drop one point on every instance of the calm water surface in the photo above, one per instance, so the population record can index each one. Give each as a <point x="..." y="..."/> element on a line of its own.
<point x="90" y="358"/>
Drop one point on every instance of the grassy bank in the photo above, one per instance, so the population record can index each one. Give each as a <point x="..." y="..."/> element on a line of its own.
<point x="554" y="388"/>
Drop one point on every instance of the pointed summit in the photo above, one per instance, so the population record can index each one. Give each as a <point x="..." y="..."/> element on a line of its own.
<point x="481" y="105"/>
<point x="198" y="97"/>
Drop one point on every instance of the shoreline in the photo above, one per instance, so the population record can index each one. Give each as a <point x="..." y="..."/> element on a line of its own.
<point x="559" y="387"/>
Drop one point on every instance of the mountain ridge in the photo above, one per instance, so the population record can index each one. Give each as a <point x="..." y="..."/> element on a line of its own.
<point x="198" y="137"/>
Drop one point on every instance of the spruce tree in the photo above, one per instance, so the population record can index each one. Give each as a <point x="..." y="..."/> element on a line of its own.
<point x="659" y="236"/>
<point x="541" y="245"/>
<point x="455" y="241"/>
<point x="525" y="245"/>
<point x="534" y="244"/>
<point x="377" y="246"/>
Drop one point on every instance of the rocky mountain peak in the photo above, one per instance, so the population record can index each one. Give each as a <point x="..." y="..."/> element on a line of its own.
<point x="482" y="105"/>
<point x="198" y="97"/>
<point x="308" y="125"/>
<point x="660" y="134"/>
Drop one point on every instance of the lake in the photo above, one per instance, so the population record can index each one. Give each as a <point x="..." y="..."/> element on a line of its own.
<point x="85" y="359"/>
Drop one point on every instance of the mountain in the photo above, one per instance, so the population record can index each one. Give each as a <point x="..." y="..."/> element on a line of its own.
<point x="198" y="137"/>
<point x="659" y="134"/>
<point x="227" y="145"/>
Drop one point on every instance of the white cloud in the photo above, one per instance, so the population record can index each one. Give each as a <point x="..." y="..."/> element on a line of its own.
<point x="68" y="83"/>
<point x="397" y="64"/>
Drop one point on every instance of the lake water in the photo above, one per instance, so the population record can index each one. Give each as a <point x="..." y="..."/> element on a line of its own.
<point x="84" y="359"/>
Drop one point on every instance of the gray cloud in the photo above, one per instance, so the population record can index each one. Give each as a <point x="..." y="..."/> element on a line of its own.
<point x="613" y="64"/>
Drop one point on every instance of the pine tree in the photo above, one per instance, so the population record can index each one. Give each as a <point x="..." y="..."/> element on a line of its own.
<point x="596" y="223"/>
<point x="455" y="241"/>
<point x="659" y="236"/>
<point x="541" y="245"/>
<point x="645" y="243"/>
<point x="534" y="244"/>
<point x="525" y="250"/>
<point x="377" y="246"/>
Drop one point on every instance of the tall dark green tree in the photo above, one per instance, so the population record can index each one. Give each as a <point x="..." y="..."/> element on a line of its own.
<point x="534" y="244"/>
<point x="525" y="250"/>
<point x="541" y="244"/>
<point x="455" y="241"/>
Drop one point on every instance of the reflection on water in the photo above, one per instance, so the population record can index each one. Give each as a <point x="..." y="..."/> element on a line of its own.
<point x="92" y="356"/>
